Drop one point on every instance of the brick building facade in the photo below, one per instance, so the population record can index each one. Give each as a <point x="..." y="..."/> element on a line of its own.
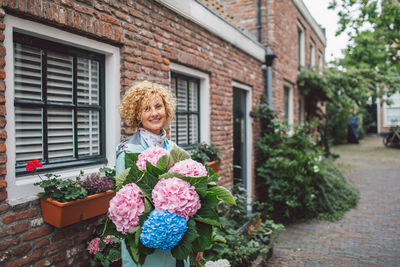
<point x="112" y="44"/>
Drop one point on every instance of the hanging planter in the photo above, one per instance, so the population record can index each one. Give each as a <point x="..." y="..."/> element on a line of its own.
<point x="215" y="165"/>
<point x="61" y="214"/>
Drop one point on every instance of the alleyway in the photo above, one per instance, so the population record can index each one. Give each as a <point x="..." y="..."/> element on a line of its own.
<point x="368" y="235"/>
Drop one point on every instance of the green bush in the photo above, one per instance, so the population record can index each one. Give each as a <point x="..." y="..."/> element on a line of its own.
<point x="243" y="236"/>
<point x="294" y="182"/>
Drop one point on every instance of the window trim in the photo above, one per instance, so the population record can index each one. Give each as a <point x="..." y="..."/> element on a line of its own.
<point x="22" y="189"/>
<point x="204" y="96"/>
<point x="312" y="53"/>
<point x="74" y="52"/>
<point x="386" y="123"/>
<point x="301" y="47"/>
<point x="290" y="118"/>
<point x="176" y="75"/>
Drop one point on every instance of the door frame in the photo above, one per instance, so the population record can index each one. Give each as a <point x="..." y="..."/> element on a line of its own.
<point x="249" y="138"/>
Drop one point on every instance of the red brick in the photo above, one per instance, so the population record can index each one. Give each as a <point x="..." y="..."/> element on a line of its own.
<point x="3" y="157"/>
<point x="109" y="19"/>
<point x="21" y="6"/>
<point x="83" y="237"/>
<point x="57" y="247"/>
<point x="4" y="207"/>
<point x="58" y="257"/>
<point x="63" y="15"/>
<point x="2" y="72"/>
<point x="40" y="232"/>
<point x="57" y="236"/>
<point x="4" y="244"/>
<point x="31" y="6"/>
<point x="23" y="249"/>
<point x="2" y="36"/>
<point x="43" y="262"/>
<point x="3" y="148"/>
<point x="42" y="242"/>
<point x="21" y="227"/>
<point x="3" y="193"/>
<point x="47" y="10"/>
<point x="77" y="24"/>
<point x="3" y="123"/>
<point x="3" y="184"/>
<point x="39" y="8"/>
<point x="10" y="218"/>
<point x="85" y="10"/>
<point x="3" y="110"/>
<point x="4" y="231"/>
<point x="12" y="3"/>
<point x="24" y="260"/>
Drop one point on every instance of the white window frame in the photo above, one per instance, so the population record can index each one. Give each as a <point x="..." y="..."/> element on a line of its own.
<point x="22" y="189"/>
<point x="320" y="60"/>
<point x="301" y="108"/>
<point x="290" y="119"/>
<point x="204" y="95"/>
<point x="387" y="123"/>
<point x="302" y="48"/>
<point x="312" y="53"/>
<point x="249" y="139"/>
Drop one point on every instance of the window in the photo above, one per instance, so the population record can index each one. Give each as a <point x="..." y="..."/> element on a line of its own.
<point x="392" y="112"/>
<point x="59" y="104"/>
<point x="320" y="59"/>
<point x="301" y="108"/>
<point x="301" y="45"/>
<point x="288" y="102"/>
<point x="312" y="54"/>
<point x="185" y="130"/>
<point x="25" y="93"/>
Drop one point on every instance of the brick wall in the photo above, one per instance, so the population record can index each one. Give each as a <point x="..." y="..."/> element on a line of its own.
<point x="278" y="31"/>
<point x="150" y="37"/>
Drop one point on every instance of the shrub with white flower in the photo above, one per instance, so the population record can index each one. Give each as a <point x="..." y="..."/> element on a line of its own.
<point x="218" y="263"/>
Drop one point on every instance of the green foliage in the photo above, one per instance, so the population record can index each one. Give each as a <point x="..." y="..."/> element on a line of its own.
<point x="294" y="182"/>
<point x="205" y="153"/>
<point x="242" y="236"/>
<point x="374" y="30"/>
<point x="110" y="254"/>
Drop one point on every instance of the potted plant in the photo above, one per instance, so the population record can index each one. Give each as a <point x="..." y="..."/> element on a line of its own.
<point x="68" y="201"/>
<point x="207" y="154"/>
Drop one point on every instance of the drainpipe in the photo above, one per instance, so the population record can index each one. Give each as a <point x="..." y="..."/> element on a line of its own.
<point x="259" y="21"/>
<point x="269" y="60"/>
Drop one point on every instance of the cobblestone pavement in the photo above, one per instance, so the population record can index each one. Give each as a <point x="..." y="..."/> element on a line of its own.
<point x="368" y="235"/>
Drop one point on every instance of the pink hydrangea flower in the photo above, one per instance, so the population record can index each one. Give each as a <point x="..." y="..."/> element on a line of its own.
<point x="152" y="155"/>
<point x="176" y="195"/>
<point x="126" y="207"/>
<point x="189" y="167"/>
<point x="94" y="246"/>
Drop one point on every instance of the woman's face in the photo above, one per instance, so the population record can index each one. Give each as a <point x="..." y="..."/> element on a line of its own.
<point x="153" y="114"/>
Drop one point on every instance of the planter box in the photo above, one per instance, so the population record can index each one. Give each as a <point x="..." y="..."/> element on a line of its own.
<point x="215" y="165"/>
<point x="61" y="214"/>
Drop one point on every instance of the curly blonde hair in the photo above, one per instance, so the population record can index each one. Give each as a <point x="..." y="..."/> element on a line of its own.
<point x="140" y="93"/>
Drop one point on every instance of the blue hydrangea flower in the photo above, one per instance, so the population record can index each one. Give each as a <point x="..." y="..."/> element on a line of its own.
<point x="163" y="230"/>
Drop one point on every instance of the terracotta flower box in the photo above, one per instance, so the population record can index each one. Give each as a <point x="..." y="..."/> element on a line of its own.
<point x="61" y="214"/>
<point x="215" y="165"/>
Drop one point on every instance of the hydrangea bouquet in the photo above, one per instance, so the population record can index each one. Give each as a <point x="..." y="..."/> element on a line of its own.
<point x="165" y="201"/>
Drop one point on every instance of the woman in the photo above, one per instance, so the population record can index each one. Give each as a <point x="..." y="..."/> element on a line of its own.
<point x="147" y="108"/>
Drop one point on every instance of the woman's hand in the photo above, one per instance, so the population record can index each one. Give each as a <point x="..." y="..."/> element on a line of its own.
<point x="199" y="256"/>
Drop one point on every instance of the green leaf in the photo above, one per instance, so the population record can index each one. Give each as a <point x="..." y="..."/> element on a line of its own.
<point x="147" y="183"/>
<point x="130" y="159"/>
<point x="207" y="221"/>
<point x="133" y="249"/>
<point x="148" y="205"/>
<point x="164" y="163"/>
<point x="134" y="230"/>
<point x="182" y="250"/>
<point x="204" y="240"/>
<point x="223" y="194"/>
<point x="178" y="154"/>
<point x="114" y="254"/>
<point x="121" y="178"/>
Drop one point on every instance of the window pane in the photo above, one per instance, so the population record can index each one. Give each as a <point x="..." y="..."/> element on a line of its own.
<point x="88" y="133"/>
<point x="286" y="102"/>
<point x="193" y="129"/>
<point x="27" y="72"/>
<point x="182" y="95"/>
<point x="193" y="96"/>
<point x="59" y="77"/>
<point x="172" y="131"/>
<point x="60" y="133"/>
<point x="88" y="81"/>
<point x="28" y="134"/>
<point x="182" y="130"/>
